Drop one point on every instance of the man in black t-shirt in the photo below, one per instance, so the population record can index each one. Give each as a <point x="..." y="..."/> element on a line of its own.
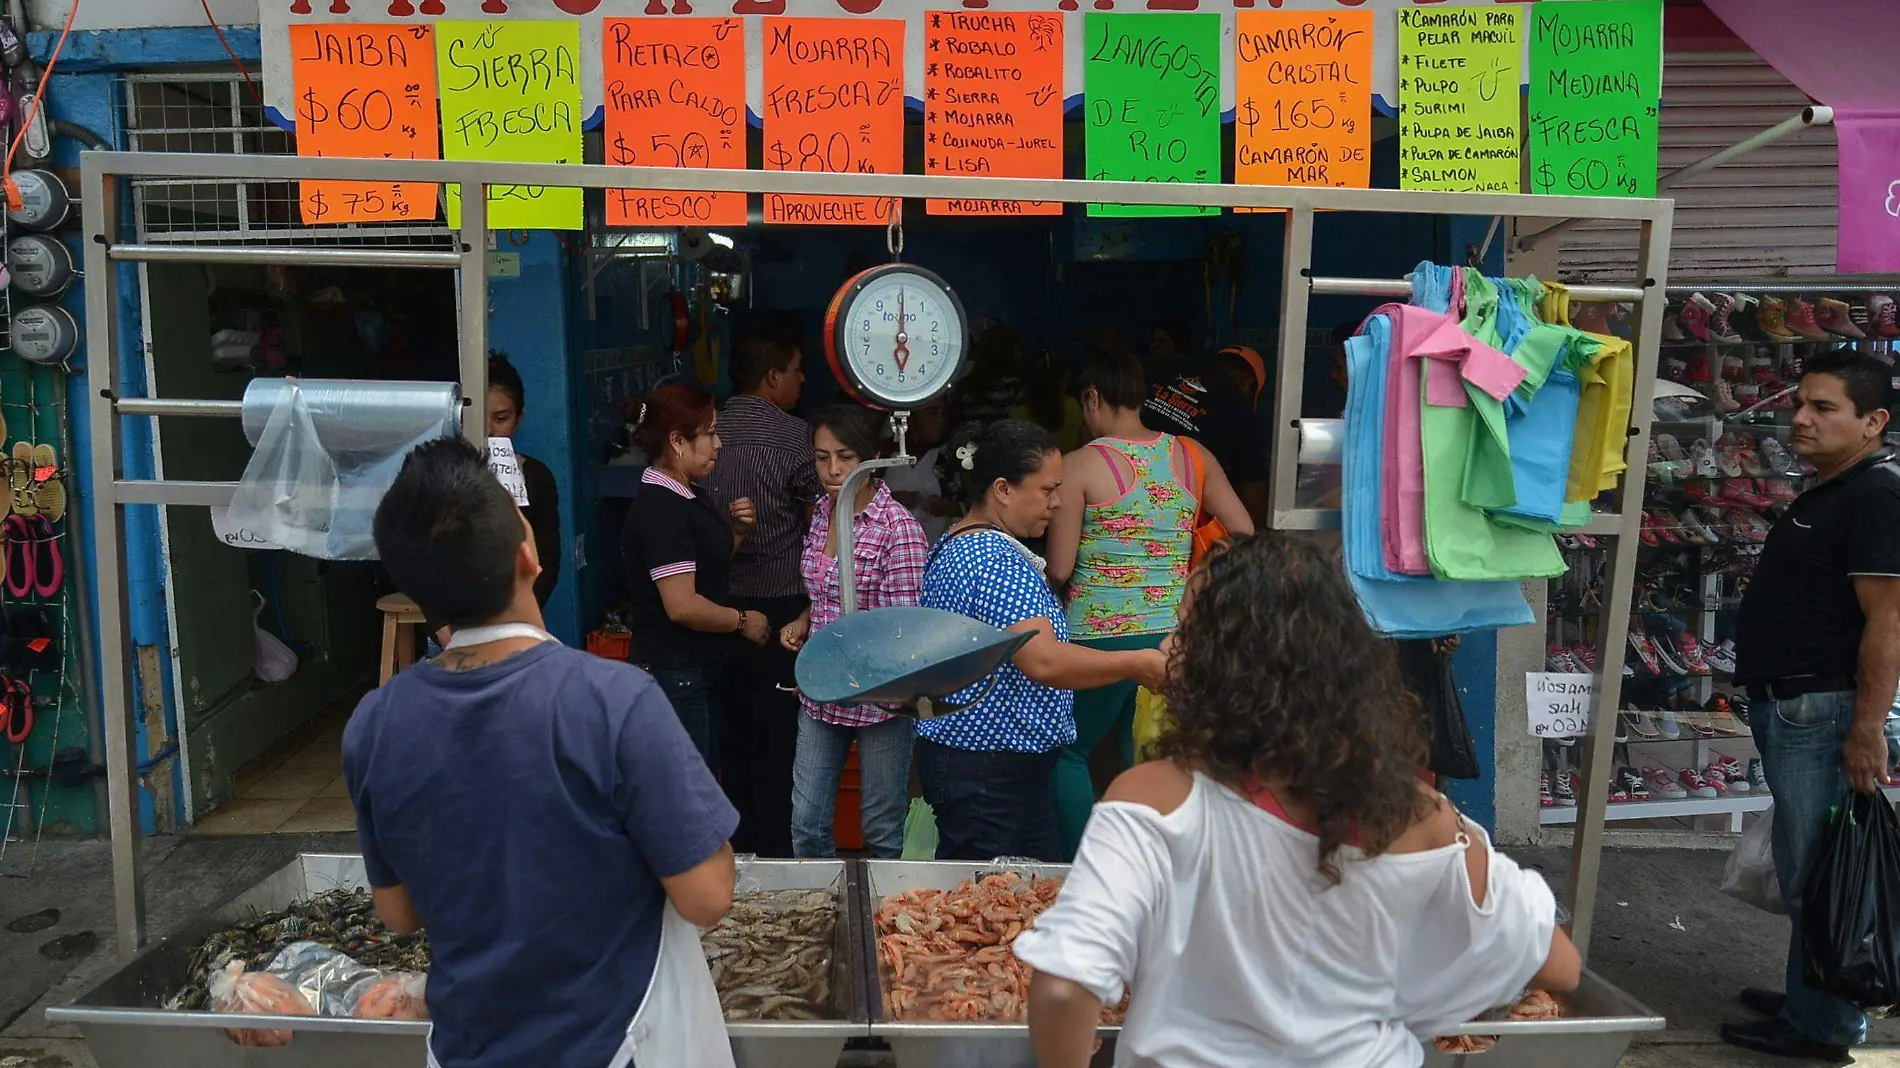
<point x="1818" y="647"/>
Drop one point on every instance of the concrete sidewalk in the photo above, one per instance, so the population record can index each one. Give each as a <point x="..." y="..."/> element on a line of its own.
<point x="1664" y="934"/>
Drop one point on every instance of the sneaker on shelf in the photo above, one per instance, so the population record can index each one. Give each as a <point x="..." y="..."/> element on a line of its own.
<point x="1663" y="785"/>
<point x="1638" y="725"/>
<point x="1667" y="726"/>
<point x="1585" y="657"/>
<point x="1700" y="370"/>
<point x="1622" y="730"/>
<point x="1761" y="369"/>
<point x="1560" y="661"/>
<point x="1779" y="395"/>
<point x="1750" y="455"/>
<point x="1670" y="330"/>
<point x="1544" y="797"/>
<point x="1564" y="790"/>
<point x="1633" y="783"/>
<point x="1721" y="716"/>
<point x="1748" y="395"/>
<point x="1698" y="530"/>
<point x="1618" y="795"/>
<point x="1758" y="528"/>
<point x="1771" y="317"/>
<point x="1742" y="491"/>
<point x="1694" y="316"/>
<point x="1880" y="311"/>
<point x="1858" y="314"/>
<point x="1695" y="785"/>
<point x="1738" y="704"/>
<point x="1675" y="369"/>
<point x="1777" y="457"/>
<point x="1724" y="397"/>
<point x="1716" y="780"/>
<point x="1778" y="489"/>
<point x="1728" y="455"/>
<point x="1698" y="722"/>
<point x="1722" y="659"/>
<point x="1733" y="772"/>
<point x="1800" y="318"/>
<point x="1645" y="651"/>
<point x="1703" y="454"/>
<point x="1721" y="330"/>
<point x="1691" y="651"/>
<point x="1757" y="779"/>
<point x="1835" y="317"/>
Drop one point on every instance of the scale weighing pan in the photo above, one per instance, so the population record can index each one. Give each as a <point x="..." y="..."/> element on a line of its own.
<point x="896" y="655"/>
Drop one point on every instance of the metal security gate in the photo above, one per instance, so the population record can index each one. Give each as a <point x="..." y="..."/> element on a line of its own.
<point x="1768" y="214"/>
<point x="105" y="174"/>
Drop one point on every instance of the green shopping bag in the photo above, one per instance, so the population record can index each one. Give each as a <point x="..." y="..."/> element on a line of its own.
<point x="920" y="831"/>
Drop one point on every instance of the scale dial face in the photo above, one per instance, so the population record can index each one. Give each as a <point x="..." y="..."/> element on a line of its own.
<point x="896" y="336"/>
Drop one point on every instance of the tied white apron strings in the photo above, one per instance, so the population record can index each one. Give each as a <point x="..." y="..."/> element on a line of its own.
<point x="680" y="1023"/>
<point x="462" y="639"/>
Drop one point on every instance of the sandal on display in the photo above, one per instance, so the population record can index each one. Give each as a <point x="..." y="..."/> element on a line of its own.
<point x="49" y="565"/>
<point x="16" y="710"/>
<point x="19" y="556"/>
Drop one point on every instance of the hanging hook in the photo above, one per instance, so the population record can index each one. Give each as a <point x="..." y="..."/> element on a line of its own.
<point x="894" y="233"/>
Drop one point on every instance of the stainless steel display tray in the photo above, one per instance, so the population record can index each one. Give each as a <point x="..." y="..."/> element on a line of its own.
<point x="125" y="1028"/>
<point x="1604" y="1018"/>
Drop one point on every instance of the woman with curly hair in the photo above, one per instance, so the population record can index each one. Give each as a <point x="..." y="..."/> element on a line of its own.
<point x="1280" y="889"/>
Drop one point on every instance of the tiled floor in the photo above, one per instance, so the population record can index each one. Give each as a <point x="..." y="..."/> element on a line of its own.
<point x="296" y="787"/>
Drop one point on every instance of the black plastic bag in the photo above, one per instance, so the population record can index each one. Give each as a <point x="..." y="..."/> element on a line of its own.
<point x="1850" y="911"/>
<point x="1428" y="672"/>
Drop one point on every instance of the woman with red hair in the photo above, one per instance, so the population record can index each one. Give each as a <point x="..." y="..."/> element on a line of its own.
<point x="678" y="549"/>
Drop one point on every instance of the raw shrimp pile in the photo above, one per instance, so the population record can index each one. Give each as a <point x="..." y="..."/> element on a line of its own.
<point x="945" y="955"/>
<point x="771" y="956"/>
<point x="1534" y="1005"/>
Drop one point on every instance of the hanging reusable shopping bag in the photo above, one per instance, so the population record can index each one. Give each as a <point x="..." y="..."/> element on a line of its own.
<point x="920" y="831"/>
<point x="1850" y="909"/>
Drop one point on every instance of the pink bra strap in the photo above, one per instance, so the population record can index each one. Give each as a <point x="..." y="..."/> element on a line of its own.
<point x="1108" y="457"/>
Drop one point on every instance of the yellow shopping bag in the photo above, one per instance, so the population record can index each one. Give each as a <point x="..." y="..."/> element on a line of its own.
<point x="1151" y="718"/>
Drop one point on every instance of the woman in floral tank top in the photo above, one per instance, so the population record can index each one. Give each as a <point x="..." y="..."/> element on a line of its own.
<point x="1120" y="541"/>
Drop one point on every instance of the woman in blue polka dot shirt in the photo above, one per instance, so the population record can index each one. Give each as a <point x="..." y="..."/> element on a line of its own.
<point x="986" y="768"/>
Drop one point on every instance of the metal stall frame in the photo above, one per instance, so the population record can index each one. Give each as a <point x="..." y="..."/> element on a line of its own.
<point x="102" y="174"/>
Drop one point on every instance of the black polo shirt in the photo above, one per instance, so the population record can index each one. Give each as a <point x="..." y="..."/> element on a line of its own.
<point x="669" y="533"/>
<point x="1195" y="399"/>
<point x="1800" y="616"/>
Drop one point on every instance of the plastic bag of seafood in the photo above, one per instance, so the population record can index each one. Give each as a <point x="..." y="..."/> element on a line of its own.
<point x="397" y="996"/>
<point x="259" y="994"/>
<point x="326" y="978"/>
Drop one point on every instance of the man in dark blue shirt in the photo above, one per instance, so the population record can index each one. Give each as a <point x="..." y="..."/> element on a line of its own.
<point x="535" y="806"/>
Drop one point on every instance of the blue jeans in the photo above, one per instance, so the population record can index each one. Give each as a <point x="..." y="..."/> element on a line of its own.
<point x="695" y="700"/>
<point x="1800" y="741"/>
<point x="883" y="784"/>
<point x="989" y="805"/>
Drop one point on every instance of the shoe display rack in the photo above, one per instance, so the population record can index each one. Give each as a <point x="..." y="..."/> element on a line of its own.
<point x="1720" y="473"/>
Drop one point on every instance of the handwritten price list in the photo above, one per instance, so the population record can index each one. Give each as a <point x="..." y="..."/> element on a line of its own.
<point x="1153" y="88"/>
<point x="993" y="103"/>
<point x="675" y="98"/>
<point x="368" y="92"/>
<point x="511" y="93"/>
<point x="1560" y="704"/>
<point x="1596" y="87"/>
<point x="1459" y="71"/>
<point x="1303" y="94"/>
<point x="834" y="103"/>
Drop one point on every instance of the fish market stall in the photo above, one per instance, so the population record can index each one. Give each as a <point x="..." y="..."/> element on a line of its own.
<point x="929" y="1021"/>
<point x="793" y="1007"/>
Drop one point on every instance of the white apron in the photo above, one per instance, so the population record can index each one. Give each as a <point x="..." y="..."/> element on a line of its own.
<point x="680" y="1023"/>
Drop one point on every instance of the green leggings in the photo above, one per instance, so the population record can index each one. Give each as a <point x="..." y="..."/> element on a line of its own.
<point x="1097" y="712"/>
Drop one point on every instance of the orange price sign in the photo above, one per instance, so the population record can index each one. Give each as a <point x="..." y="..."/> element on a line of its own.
<point x="367" y="92"/>
<point x="1303" y="98"/>
<point x="993" y="103"/>
<point x="834" y="103"/>
<point x="675" y="98"/>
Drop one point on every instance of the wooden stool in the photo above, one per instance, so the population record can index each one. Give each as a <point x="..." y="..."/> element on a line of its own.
<point x="401" y="620"/>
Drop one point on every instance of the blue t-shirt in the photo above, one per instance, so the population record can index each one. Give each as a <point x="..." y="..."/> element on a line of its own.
<point x="983" y="576"/>
<point x="531" y="807"/>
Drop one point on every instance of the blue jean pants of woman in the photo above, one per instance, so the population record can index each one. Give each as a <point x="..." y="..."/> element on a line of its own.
<point x="883" y="784"/>
<point x="989" y="804"/>
<point x="695" y="700"/>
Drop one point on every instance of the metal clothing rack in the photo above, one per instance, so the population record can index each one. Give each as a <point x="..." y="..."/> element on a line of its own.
<point x="104" y="175"/>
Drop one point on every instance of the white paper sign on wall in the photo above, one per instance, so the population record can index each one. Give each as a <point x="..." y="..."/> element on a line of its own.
<point x="1560" y="703"/>
<point x="502" y="461"/>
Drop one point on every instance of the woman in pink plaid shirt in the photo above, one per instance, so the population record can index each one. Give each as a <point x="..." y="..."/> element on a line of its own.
<point x="888" y="546"/>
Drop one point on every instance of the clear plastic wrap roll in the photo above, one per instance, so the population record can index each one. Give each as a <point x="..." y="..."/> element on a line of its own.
<point x="324" y="453"/>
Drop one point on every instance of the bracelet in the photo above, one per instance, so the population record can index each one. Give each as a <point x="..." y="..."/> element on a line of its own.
<point x="741" y="626"/>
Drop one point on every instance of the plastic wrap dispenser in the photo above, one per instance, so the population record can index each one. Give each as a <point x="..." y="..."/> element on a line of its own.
<point x="895" y="655"/>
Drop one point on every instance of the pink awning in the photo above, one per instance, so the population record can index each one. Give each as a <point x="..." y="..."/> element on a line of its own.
<point x="1840" y="52"/>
